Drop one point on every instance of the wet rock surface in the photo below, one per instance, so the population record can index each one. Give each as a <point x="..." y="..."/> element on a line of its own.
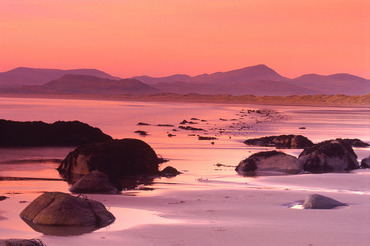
<point x="269" y="162"/>
<point x="55" y="212"/>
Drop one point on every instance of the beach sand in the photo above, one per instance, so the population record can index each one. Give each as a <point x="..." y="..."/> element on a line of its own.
<point x="207" y="204"/>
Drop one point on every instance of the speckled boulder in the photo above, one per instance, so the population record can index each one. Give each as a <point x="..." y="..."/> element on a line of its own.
<point x="21" y="242"/>
<point x="61" y="209"/>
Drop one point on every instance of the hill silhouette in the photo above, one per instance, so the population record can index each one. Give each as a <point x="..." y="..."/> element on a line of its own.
<point x="84" y="84"/>
<point x="258" y="80"/>
<point x="40" y="76"/>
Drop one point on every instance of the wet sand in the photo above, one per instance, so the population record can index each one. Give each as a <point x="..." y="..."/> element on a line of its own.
<point x="208" y="204"/>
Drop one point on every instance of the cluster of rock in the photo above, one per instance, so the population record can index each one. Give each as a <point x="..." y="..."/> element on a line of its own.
<point x="60" y="133"/>
<point x="100" y="167"/>
<point x="327" y="156"/>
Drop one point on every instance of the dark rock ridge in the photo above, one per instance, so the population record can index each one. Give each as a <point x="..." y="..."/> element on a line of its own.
<point x="281" y="142"/>
<point x="316" y="201"/>
<point x="63" y="210"/>
<point x="329" y="156"/>
<point x="354" y="142"/>
<point x="269" y="162"/>
<point x="21" y="242"/>
<point x="96" y="182"/>
<point x="118" y="158"/>
<point x="37" y="133"/>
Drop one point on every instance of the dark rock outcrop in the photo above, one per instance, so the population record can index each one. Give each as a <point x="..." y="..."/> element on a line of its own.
<point x="365" y="163"/>
<point x="63" y="211"/>
<point x="329" y="156"/>
<point x="119" y="159"/>
<point x="354" y="142"/>
<point x="60" y="133"/>
<point x="96" y="182"/>
<point x="316" y="201"/>
<point x="269" y="162"/>
<point x="21" y="242"/>
<point x="281" y="142"/>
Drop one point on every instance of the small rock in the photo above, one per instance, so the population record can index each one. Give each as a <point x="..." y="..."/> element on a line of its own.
<point x="365" y="163"/>
<point x="96" y="182"/>
<point x="3" y="198"/>
<point x="142" y="133"/>
<point x="170" y="172"/>
<point x="316" y="201"/>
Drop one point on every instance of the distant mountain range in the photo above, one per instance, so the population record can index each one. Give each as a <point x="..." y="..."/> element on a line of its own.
<point x="256" y="80"/>
<point x="40" y="76"/>
<point x="86" y="84"/>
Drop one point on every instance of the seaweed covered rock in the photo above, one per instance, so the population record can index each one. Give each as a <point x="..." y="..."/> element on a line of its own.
<point x="117" y="158"/>
<point x="281" y="142"/>
<point x="60" y="133"/>
<point x="316" y="201"/>
<point x="269" y="162"/>
<point x="329" y="156"/>
<point x="63" y="210"/>
<point x="96" y="182"/>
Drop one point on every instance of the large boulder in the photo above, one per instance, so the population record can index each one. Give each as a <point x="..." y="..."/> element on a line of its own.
<point x="60" y="133"/>
<point x="63" y="210"/>
<point x="329" y="156"/>
<point x="21" y="242"/>
<point x="96" y="182"/>
<point x="316" y="201"/>
<point x="119" y="159"/>
<point x="281" y="142"/>
<point x="269" y="162"/>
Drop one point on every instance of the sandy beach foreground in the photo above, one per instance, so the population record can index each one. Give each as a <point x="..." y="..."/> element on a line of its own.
<point x="216" y="213"/>
<point x="208" y="204"/>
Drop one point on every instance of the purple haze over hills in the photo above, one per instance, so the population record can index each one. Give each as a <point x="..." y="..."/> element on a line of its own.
<point x="257" y="80"/>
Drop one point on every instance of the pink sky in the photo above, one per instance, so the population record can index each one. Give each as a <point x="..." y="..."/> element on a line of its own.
<point x="164" y="37"/>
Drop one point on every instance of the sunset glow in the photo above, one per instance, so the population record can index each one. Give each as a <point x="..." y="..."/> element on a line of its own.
<point x="164" y="37"/>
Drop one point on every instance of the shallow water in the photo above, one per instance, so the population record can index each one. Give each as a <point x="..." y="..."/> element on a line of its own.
<point x="197" y="159"/>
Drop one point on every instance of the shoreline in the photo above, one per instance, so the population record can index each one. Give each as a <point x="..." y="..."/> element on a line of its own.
<point x="310" y="100"/>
